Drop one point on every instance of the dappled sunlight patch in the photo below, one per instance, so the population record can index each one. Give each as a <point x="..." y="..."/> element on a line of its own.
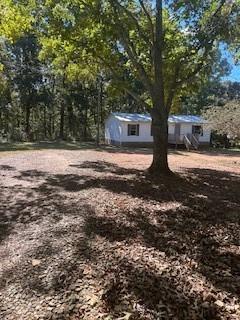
<point x="171" y="205"/>
<point x="200" y="196"/>
<point x="113" y="243"/>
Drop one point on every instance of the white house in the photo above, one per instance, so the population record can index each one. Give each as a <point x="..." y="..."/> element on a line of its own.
<point x="133" y="129"/>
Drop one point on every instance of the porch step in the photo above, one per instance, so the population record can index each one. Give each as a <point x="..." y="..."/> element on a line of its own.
<point x="191" y="142"/>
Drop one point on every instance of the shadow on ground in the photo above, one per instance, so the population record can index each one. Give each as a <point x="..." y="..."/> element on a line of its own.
<point x="64" y="145"/>
<point x="159" y="248"/>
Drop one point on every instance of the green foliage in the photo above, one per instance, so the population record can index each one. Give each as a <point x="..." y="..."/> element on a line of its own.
<point x="116" y="37"/>
<point x="15" y="18"/>
<point x="213" y="92"/>
<point x="225" y="120"/>
<point x="75" y="41"/>
<point x="32" y="94"/>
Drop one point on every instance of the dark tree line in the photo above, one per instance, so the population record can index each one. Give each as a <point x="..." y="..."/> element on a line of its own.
<point x="212" y="93"/>
<point x="38" y="104"/>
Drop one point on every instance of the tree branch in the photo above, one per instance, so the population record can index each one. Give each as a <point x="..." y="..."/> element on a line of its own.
<point x="131" y="52"/>
<point x="221" y="4"/>
<point x="158" y="60"/>
<point x="197" y="69"/>
<point x="172" y="89"/>
<point x="137" y="98"/>
<point x="125" y="87"/>
<point x="138" y="66"/>
<point x="133" y="18"/>
<point x="206" y="41"/>
<point x="148" y="17"/>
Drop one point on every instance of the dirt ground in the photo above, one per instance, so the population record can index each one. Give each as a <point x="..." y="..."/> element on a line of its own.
<point x="84" y="234"/>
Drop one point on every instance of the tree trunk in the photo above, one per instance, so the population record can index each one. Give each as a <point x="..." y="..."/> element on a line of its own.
<point x="27" y="122"/>
<point x="45" y="122"/>
<point x="50" y="131"/>
<point x="62" y="114"/>
<point x="62" y="109"/>
<point x="160" y="142"/>
<point x="71" y="122"/>
<point x="99" y="100"/>
<point x="1" y="119"/>
<point x="159" y="112"/>
<point x="85" y="122"/>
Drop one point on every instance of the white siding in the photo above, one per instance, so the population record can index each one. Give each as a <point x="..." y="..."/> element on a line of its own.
<point x="116" y="130"/>
<point x="144" y="132"/>
<point x="187" y="128"/>
<point x="171" y="128"/>
<point x="113" y="130"/>
<point x="206" y="134"/>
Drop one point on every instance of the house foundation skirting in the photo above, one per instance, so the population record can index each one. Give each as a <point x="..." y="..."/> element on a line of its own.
<point x="141" y="144"/>
<point x="137" y="144"/>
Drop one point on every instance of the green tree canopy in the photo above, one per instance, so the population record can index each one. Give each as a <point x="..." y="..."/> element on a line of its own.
<point x="225" y="119"/>
<point x="15" y="18"/>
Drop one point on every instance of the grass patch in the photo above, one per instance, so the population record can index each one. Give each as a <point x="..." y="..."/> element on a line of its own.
<point x="45" y="145"/>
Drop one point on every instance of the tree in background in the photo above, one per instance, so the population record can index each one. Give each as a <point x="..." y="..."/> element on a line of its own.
<point x="5" y="87"/>
<point x="213" y="92"/>
<point x="27" y="75"/>
<point x="15" y="18"/>
<point x="225" y="120"/>
<point x="164" y="48"/>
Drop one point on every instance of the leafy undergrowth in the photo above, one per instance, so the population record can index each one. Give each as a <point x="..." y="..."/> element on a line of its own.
<point x="84" y="237"/>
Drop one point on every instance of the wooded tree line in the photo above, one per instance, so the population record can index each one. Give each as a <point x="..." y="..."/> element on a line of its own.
<point x="37" y="104"/>
<point x="68" y="57"/>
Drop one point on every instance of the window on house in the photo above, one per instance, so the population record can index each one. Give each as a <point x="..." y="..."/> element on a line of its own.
<point x="197" y="130"/>
<point x="133" y="130"/>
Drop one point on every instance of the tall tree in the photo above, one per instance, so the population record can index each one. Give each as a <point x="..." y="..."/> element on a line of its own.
<point x="166" y="46"/>
<point x="225" y="120"/>
<point x="212" y="92"/>
<point x="27" y="75"/>
<point x="159" y="111"/>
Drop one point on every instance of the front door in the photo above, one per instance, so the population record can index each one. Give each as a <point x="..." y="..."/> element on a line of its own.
<point x="197" y="131"/>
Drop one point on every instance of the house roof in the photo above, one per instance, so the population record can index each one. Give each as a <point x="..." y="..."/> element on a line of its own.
<point x="132" y="117"/>
<point x="186" y="118"/>
<point x="137" y="117"/>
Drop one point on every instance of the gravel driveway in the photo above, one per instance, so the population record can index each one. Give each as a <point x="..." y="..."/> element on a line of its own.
<point x="85" y="235"/>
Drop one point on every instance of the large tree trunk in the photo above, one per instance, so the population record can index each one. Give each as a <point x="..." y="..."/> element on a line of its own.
<point x="159" y="112"/>
<point x="160" y="142"/>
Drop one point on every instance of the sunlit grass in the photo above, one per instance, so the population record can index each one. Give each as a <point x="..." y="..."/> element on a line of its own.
<point x="31" y="146"/>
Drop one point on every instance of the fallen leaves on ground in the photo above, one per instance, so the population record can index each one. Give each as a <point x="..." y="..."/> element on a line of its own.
<point x="91" y="237"/>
